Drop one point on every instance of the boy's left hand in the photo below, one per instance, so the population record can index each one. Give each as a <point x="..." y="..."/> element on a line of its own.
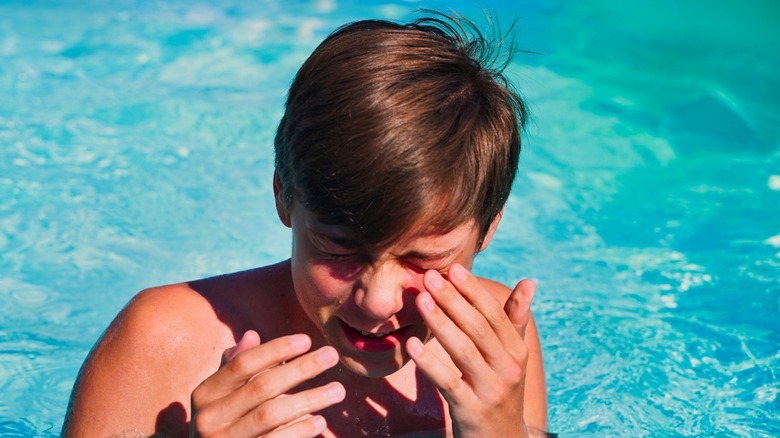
<point x="485" y="341"/>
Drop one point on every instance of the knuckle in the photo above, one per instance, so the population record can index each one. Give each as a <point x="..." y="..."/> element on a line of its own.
<point x="239" y="365"/>
<point x="516" y="372"/>
<point x="312" y="365"/>
<point x="470" y="352"/>
<point x="203" y="423"/>
<point x="482" y="327"/>
<point x="450" y="384"/>
<point x="260" y="386"/>
<point x="495" y="314"/>
<point x="198" y="396"/>
<point x="284" y="350"/>
<point x="499" y="391"/>
<point x="519" y="353"/>
<point x="264" y="417"/>
<point x="309" y="368"/>
<point x="310" y="427"/>
<point x="493" y="398"/>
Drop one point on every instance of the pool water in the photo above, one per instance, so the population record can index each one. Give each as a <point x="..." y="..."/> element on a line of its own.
<point x="135" y="150"/>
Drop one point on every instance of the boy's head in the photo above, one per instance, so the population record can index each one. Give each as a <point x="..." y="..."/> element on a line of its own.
<point x="391" y="126"/>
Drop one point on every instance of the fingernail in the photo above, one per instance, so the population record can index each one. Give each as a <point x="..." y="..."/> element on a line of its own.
<point x="458" y="272"/>
<point x="319" y="424"/>
<point x="414" y="346"/>
<point x="426" y="301"/>
<point x="435" y="281"/>
<point x="335" y="391"/>
<point x="327" y="356"/>
<point x="300" y="342"/>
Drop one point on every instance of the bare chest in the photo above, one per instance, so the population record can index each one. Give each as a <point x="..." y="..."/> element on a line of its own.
<point x="403" y="405"/>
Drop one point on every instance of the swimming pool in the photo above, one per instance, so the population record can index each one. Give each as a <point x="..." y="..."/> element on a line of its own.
<point x="135" y="150"/>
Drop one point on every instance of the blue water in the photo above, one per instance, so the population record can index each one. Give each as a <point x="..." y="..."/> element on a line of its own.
<point x="135" y="150"/>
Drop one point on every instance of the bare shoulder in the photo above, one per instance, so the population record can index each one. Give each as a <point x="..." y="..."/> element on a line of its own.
<point x="499" y="290"/>
<point x="139" y="373"/>
<point x="175" y="318"/>
<point x="164" y="323"/>
<point x="165" y="342"/>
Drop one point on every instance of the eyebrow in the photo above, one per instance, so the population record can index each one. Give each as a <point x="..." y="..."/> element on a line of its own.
<point x="334" y="238"/>
<point x="348" y="242"/>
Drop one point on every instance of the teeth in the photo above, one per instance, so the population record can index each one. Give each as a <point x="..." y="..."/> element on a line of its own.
<point x="369" y="334"/>
<point x="373" y="335"/>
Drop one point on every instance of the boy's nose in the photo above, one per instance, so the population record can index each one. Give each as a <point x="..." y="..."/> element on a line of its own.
<point x="381" y="294"/>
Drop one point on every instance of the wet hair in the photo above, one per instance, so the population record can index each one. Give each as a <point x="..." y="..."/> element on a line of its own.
<point x="389" y="126"/>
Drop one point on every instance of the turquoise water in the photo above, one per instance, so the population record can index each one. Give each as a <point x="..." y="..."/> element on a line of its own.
<point x="135" y="150"/>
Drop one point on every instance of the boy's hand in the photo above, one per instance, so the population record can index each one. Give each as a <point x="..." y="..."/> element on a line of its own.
<point x="246" y="396"/>
<point x="485" y="341"/>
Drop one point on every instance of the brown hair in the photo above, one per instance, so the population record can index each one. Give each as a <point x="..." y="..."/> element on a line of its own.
<point x="390" y="125"/>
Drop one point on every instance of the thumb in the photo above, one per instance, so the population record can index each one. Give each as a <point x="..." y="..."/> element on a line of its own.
<point x="250" y="339"/>
<point x="518" y="306"/>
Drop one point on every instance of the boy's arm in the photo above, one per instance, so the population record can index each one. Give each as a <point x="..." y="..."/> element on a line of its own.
<point x="535" y="412"/>
<point x="139" y="375"/>
<point x="160" y="359"/>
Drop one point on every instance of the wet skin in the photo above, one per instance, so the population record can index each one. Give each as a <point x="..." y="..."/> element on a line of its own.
<point x="378" y="308"/>
<point x="321" y="344"/>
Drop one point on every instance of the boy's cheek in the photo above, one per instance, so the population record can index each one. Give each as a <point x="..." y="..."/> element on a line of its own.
<point x="330" y="281"/>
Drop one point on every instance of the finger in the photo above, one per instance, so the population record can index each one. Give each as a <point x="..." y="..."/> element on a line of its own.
<point x="486" y="304"/>
<point x="518" y="306"/>
<point x="246" y="364"/>
<point x="249" y="340"/>
<point x="309" y="427"/>
<point x="444" y="377"/>
<point x="270" y="384"/>
<point x="470" y="319"/>
<point x="281" y="411"/>
<point x="461" y="348"/>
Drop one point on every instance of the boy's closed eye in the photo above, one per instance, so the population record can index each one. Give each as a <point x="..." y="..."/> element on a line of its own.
<point x="424" y="261"/>
<point x="421" y="267"/>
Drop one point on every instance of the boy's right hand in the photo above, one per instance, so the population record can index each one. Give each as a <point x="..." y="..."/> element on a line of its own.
<point x="247" y="396"/>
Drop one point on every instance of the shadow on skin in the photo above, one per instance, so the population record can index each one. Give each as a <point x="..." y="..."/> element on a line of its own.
<point x="387" y="413"/>
<point x="171" y="422"/>
<point x="428" y="422"/>
<point x="394" y="414"/>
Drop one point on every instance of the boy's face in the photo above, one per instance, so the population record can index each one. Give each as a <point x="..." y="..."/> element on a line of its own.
<point x="363" y="301"/>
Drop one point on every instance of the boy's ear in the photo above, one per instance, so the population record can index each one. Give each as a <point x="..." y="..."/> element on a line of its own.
<point x="491" y="230"/>
<point x="282" y="209"/>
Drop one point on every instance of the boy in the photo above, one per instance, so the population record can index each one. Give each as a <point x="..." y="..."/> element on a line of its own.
<point x="394" y="159"/>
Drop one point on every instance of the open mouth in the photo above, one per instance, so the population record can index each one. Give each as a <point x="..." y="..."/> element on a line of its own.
<point x="373" y="342"/>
